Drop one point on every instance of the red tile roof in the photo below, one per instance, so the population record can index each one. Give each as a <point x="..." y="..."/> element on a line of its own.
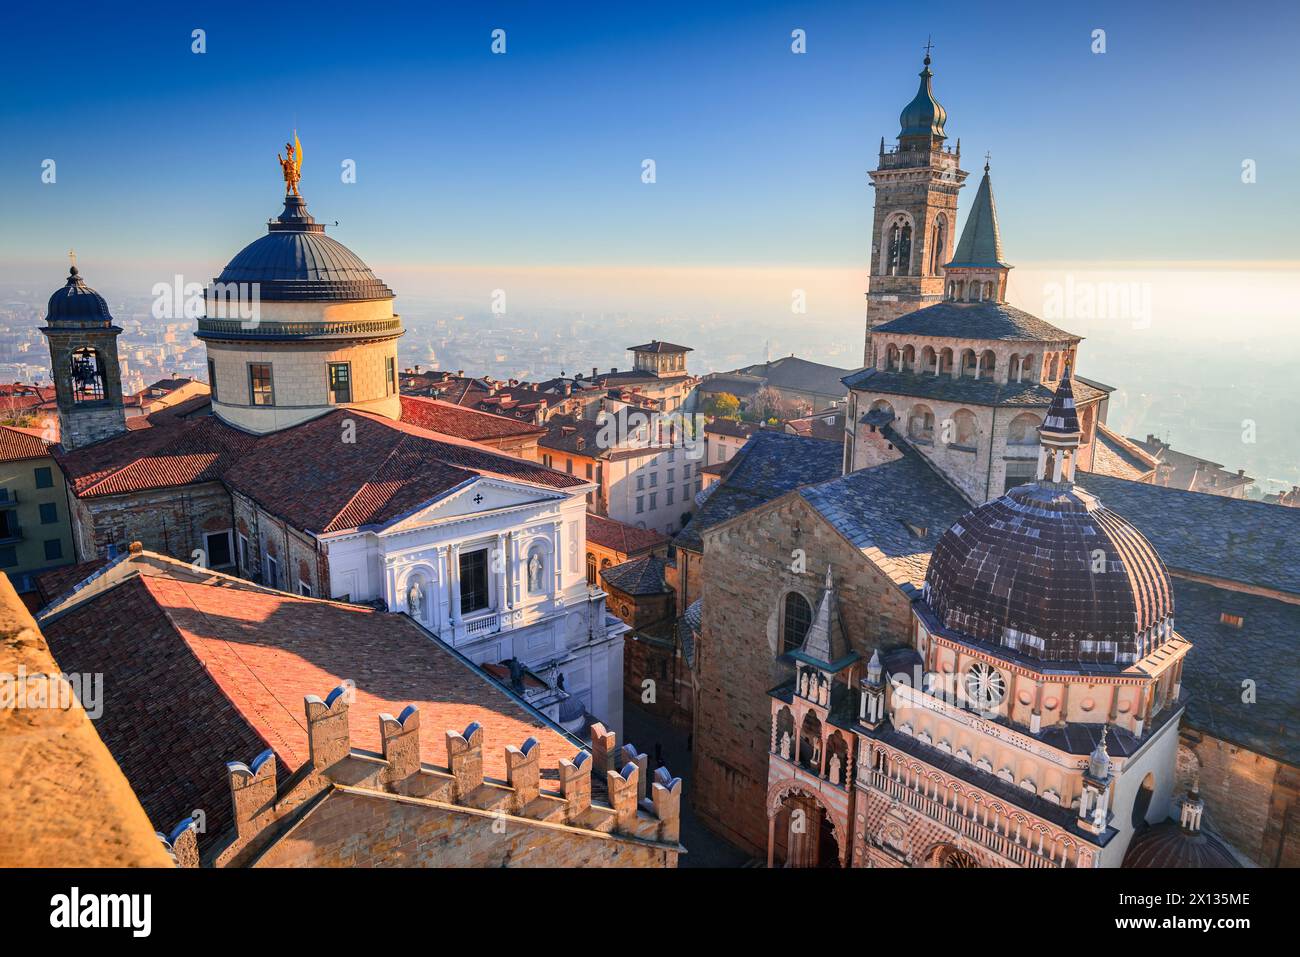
<point x="205" y="669"/>
<point x="307" y="474"/>
<point x="622" y="538"/>
<point x="18" y="444"/>
<point x="449" y="419"/>
<point x="310" y="477"/>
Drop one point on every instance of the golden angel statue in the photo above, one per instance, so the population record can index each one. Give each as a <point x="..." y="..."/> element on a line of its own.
<point x="292" y="166"/>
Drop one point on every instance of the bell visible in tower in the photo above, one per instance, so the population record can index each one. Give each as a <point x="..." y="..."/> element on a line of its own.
<point x="916" y="184"/>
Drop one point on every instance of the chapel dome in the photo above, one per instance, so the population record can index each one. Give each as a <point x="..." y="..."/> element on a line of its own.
<point x="1048" y="571"/>
<point x="296" y="262"/>
<point x="1169" y="844"/>
<point x="77" y="302"/>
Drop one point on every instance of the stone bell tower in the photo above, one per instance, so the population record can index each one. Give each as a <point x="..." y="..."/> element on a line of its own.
<point x="83" y="361"/>
<point x="916" y="185"/>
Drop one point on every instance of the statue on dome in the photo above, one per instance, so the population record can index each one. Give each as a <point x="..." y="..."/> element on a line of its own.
<point x="292" y="166"/>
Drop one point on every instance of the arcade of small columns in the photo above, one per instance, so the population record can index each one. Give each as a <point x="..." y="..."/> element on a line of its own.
<point x="973" y="818"/>
<point x="958" y="359"/>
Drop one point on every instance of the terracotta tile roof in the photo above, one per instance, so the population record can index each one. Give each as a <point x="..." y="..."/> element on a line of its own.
<point x="449" y="419"/>
<point x="308" y="476"/>
<point x="208" y="669"/>
<point x="18" y="444"/>
<point x="659" y="347"/>
<point x="621" y="537"/>
<point x="828" y="425"/>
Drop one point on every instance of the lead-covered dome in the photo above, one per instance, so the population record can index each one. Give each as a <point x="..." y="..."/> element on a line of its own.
<point x="78" y="303"/>
<point x="296" y="262"/>
<point x="1048" y="571"/>
<point x="923" y="116"/>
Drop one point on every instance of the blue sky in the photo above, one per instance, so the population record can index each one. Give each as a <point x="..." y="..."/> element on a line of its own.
<point x="534" y="157"/>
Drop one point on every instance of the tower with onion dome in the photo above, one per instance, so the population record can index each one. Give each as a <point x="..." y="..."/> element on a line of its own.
<point x="916" y="182"/>
<point x="297" y="325"/>
<point x="83" y="358"/>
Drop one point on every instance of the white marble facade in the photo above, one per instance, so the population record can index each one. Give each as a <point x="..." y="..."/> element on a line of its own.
<point x="494" y="568"/>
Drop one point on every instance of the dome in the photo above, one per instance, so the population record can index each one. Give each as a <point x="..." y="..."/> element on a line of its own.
<point x="923" y="116"/>
<point x="1047" y="571"/>
<point x="77" y="302"/>
<point x="1169" y="844"/>
<point x="296" y="262"/>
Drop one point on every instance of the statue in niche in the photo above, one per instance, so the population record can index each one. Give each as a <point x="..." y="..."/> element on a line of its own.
<point x="535" y="567"/>
<point x="824" y="693"/>
<point x="785" y="745"/>
<point x="803" y="684"/>
<point x="834" y="768"/>
<point x="415" y="600"/>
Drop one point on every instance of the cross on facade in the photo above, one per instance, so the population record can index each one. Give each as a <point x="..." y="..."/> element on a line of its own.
<point x="928" y="45"/>
<point x="478" y="499"/>
<point x="72" y="257"/>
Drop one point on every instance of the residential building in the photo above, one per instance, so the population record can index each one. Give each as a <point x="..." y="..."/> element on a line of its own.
<point x="35" y="532"/>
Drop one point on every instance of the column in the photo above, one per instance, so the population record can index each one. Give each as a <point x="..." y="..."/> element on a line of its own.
<point x="453" y="583"/>
<point x="499" y="562"/>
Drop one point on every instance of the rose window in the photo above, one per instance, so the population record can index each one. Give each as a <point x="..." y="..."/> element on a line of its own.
<point x="985" y="685"/>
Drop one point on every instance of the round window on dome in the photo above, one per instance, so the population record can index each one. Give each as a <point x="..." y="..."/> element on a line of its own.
<point x="985" y="685"/>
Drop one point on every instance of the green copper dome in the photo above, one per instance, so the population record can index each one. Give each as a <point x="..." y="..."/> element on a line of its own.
<point x="923" y="116"/>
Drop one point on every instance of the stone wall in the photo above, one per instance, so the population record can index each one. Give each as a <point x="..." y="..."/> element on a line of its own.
<point x="170" y="521"/>
<point x="356" y="829"/>
<point x="1251" y="801"/>
<point x="750" y="572"/>
<point x="297" y="554"/>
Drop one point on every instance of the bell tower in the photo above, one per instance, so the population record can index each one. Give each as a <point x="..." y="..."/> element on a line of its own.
<point x="916" y="185"/>
<point x="83" y="360"/>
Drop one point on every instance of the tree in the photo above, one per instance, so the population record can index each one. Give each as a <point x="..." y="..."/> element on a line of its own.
<point x="722" y="405"/>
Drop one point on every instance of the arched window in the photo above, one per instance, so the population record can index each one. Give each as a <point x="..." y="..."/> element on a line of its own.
<point x="89" y="382"/>
<point x="1026" y="366"/>
<point x="929" y="358"/>
<point x="936" y="247"/>
<point x="988" y="290"/>
<point x="591" y="569"/>
<point x="1051" y="368"/>
<point x="909" y="358"/>
<point x="968" y="362"/>
<point x="945" y="362"/>
<point x="988" y="364"/>
<point x="892" y="238"/>
<point x="796" y="618"/>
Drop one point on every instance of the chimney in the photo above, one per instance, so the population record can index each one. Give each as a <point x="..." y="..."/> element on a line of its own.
<point x="594" y="372"/>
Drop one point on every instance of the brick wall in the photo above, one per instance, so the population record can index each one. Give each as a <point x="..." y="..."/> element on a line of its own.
<point x="749" y="574"/>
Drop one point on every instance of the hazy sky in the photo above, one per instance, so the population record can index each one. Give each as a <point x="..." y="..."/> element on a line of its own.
<point x="166" y="159"/>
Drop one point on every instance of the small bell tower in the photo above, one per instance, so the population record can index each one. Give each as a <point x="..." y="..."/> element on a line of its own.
<point x="83" y="363"/>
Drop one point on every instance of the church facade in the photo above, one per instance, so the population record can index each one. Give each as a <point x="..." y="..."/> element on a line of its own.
<point x="306" y="470"/>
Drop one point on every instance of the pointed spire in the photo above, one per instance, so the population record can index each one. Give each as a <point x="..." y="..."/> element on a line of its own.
<point x="980" y="246"/>
<point x="824" y="644"/>
<point x="1062" y="420"/>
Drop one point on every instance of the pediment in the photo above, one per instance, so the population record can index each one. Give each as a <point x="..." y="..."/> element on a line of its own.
<point x="481" y="496"/>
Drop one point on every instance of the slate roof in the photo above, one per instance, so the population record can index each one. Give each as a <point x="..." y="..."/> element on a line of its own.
<point x="654" y="345"/>
<point x="688" y="629"/>
<point x="568" y="433"/>
<point x="208" y="669"/>
<point x="621" y="537"/>
<point x="77" y="303"/>
<point x="965" y="390"/>
<point x="800" y="375"/>
<point x="638" y="577"/>
<point x="1263" y="651"/>
<point x="1243" y="541"/>
<point x="976" y="320"/>
<point x="770" y="464"/>
<point x="981" y="241"/>
<point x="731" y="428"/>
<point x="877" y="508"/>
<point x="731" y="383"/>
